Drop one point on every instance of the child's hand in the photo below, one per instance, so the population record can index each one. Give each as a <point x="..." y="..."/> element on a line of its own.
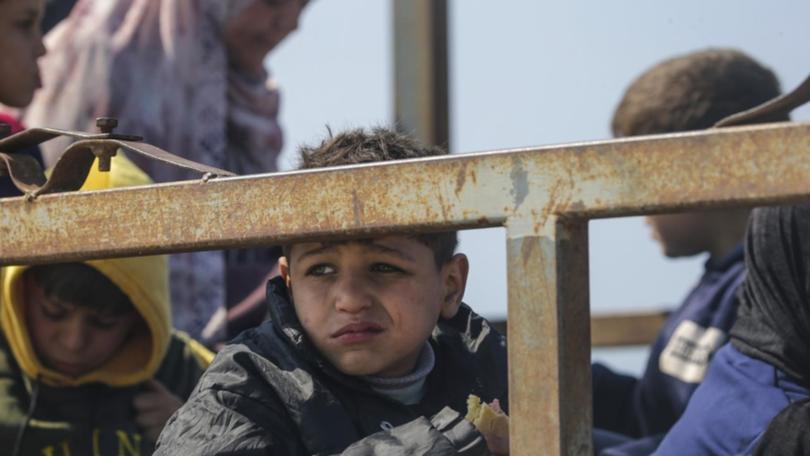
<point x="498" y="443"/>
<point x="153" y="407"/>
<point x="491" y="422"/>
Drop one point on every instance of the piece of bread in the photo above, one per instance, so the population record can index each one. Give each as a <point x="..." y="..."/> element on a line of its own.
<point x="486" y="419"/>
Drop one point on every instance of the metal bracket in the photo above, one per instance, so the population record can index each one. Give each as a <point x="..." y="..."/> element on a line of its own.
<point x="70" y="172"/>
<point x="779" y="105"/>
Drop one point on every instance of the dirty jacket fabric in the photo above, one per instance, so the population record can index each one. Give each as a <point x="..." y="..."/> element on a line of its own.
<point x="269" y="392"/>
<point x="44" y="412"/>
<point x="93" y="419"/>
<point x="772" y="333"/>
<point x="647" y="407"/>
<point x="732" y="408"/>
<point x="678" y="359"/>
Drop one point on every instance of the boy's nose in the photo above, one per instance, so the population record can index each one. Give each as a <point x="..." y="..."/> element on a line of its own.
<point x="352" y="296"/>
<point x="73" y="335"/>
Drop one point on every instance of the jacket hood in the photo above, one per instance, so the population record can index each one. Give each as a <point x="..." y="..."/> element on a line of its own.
<point x="773" y="321"/>
<point x="143" y="279"/>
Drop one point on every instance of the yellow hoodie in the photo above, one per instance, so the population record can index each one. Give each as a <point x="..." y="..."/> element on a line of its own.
<point x="143" y="279"/>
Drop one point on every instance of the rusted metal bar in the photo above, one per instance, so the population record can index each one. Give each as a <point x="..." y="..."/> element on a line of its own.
<point x="626" y="329"/>
<point x="738" y="166"/>
<point x="420" y="70"/>
<point x="616" y="330"/>
<point x="549" y="338"/>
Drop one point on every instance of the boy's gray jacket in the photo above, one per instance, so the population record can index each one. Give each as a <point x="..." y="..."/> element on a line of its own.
<point x="269" y="392"/>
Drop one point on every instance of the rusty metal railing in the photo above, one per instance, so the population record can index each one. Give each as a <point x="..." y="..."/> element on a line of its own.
<point x="543" y="196"/>
<point x="617" y="330"/>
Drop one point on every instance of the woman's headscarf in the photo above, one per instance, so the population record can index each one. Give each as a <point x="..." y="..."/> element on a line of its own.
<point x="161" y="68"/>
<point x="773" y="323"/>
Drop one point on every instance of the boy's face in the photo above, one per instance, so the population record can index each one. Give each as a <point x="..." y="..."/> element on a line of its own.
<point x="370" y="306"/>
<point x="680" y="235"/>
<point x="20" y="48"/>
<point x="70" y="339"/>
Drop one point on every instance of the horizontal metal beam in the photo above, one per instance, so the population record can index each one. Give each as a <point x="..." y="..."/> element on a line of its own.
<point x="738" y="166"/>
<point x="616" y="330"/>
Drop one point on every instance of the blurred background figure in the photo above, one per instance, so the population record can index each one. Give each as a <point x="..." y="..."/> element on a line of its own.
<point x="688" y="92"/>
<point x="88" y="360"/>
<point x="188" y="76"/>
<point x="20" y="49"/>
<point x="755" y="397"/>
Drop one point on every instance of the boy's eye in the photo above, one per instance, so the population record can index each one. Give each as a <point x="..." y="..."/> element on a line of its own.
<point x="320" y="270"/>
<point x="384" y="268"/>
<point x="100" y="322"/>
<point x="53" y="311"/>
<point x="54" y="314"/>
<point x="28" y="24"/>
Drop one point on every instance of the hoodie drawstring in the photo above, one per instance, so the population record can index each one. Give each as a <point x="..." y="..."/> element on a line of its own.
<point x="32" y="405"/>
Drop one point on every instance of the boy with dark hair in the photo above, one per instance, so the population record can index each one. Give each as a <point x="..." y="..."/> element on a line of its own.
<point x="685" y="93"/>
<point x="369" y="349"/>
<point x="88" y="361"/>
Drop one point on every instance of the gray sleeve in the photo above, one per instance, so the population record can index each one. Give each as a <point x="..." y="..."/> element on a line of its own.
<point x="216" y="422"/>
<point x="447" y="433"/>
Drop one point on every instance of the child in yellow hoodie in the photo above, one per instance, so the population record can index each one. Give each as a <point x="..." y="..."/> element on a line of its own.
<point x="89" y="364"/>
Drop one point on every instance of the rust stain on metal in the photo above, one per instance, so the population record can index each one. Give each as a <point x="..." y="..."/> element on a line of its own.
<point x="461" y="178"/>
<point x="526" y="252"/>
<point x="520" y="182"/>
<point x="357" y="205"/>
<point x="614" y="178"/>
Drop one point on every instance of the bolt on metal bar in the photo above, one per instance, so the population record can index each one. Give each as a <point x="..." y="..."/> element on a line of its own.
<point x="544" y="196"/>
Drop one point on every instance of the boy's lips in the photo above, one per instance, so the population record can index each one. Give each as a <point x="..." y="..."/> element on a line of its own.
<point x="64" y="367"/>
<point x="357" y="332"/>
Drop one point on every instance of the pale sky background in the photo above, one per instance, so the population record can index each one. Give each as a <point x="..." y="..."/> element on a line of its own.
<point x="529" y="73"/>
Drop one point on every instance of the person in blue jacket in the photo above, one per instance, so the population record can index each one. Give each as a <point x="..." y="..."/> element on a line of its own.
<point x="689" y="92"/>
<point x="763" y="372"/>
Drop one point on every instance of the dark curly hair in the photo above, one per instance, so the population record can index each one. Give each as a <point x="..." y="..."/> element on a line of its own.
<point x="80" y="285"/>
<point x="693" y="92"/>
<point x="380" y="144"/>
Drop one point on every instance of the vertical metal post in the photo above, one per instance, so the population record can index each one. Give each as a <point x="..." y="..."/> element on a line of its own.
<point x="549" y="338"/>
<point x="420" y="70"/>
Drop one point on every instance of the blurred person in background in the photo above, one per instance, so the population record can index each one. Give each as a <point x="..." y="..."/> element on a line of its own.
<point x="188" y="76"/>
<point x="88" y="361"/>
<point x="21" y="48"/>
<point x="756" y="395"/>
<point x="689" y="92"/>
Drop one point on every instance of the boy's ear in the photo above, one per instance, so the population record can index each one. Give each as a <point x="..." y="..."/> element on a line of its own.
<point x="284" y="270"/>
<point x="454" y="276"/>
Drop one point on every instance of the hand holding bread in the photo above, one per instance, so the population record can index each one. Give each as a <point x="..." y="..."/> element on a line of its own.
<point x="491" y="422"/>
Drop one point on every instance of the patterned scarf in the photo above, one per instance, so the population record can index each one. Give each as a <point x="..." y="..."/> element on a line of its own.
<point x="161" y="68"/>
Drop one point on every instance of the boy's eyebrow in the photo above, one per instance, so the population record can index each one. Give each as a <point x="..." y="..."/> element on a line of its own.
<point x="30" y="12"/>
<point x="385" y="249"/>
<point x="318" y="250"/>
<point x="369" y="243"/>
